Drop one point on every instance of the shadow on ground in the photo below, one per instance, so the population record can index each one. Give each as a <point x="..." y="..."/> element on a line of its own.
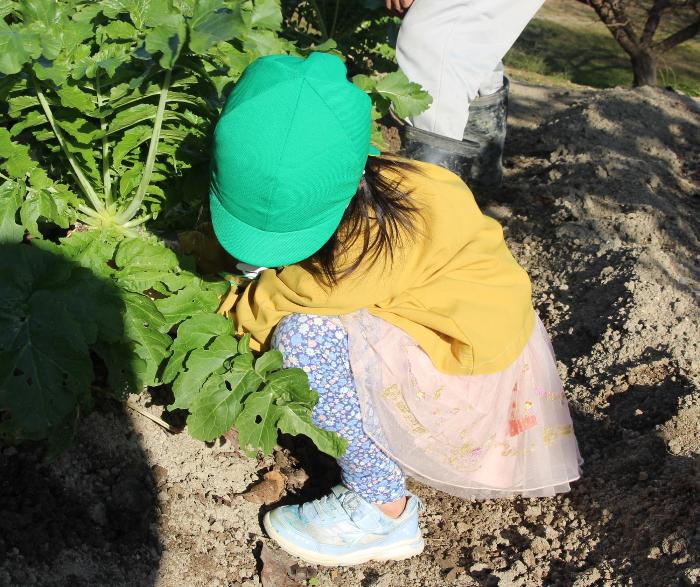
<point x="87" y="516"/>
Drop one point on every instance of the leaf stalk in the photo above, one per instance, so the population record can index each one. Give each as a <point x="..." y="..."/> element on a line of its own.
<point x="77" y="171"/>
<point x="106" y="176"/>
<point x="135" y="204"/>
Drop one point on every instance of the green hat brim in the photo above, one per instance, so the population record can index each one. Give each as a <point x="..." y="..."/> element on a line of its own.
<point x="269" y="249"/>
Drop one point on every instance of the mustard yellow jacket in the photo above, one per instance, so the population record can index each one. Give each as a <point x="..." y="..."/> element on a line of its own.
<point x="455" y="288"/>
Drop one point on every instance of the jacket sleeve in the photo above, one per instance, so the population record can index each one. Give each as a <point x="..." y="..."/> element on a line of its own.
<point x="278" y="293"/>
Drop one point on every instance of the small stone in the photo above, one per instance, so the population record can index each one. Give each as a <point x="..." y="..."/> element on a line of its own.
<point x="587" y="578"/>
<point x="160" y="475"/>
<point x="98" y="514"/>
<point x="217" y="527"/>
<point x="269" y="490"/>
<point x="10" y="451"/>
<point x="480" y="554"/>
<point x="643" y="475"/>
<point x="691" y="576"/>
<point x="539" y="545"/>
<point x="529" y="558"/>
<point x="532" y="512"/>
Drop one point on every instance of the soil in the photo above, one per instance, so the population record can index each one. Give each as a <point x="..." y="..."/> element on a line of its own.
<point x="600" y="204"/>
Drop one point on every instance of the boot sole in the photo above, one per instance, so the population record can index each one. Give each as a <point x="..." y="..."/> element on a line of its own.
<point x="397" y="551"/>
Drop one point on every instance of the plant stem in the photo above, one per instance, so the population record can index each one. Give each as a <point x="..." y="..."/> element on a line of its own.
<point x="335" y="17"/>
<point x="106" y="177"/>
<point x="319" y="17"/>
<point x="136" y="221"/>
<point x="77" y="171"/>
<point x="169" y="427"/>
<point x="88" y="211"/>
<point x="135" y="205"/>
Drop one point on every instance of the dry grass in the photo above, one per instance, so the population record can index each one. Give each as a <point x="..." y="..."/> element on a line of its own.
<point x="567" y="42"/>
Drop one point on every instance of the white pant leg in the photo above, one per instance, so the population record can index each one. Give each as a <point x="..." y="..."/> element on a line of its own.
<point x="493" y="81"/>
<point x="451" y="46"/>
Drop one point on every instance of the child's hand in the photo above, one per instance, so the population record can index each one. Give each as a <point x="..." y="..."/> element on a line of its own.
<point x="400" y="6"/>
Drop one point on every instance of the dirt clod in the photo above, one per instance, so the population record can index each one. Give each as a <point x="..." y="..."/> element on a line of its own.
<point x="267" y="491"/>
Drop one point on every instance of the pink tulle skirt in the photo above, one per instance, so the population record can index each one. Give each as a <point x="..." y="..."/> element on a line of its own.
<point x="482" y="436"/>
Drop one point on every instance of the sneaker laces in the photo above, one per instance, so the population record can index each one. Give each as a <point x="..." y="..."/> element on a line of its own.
<point x="326" y="507"/>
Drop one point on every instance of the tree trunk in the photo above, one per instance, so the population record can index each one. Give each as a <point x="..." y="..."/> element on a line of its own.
<point x="644" y="65"/>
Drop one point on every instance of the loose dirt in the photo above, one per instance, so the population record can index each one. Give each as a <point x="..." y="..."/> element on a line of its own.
<point x="600" y="204"/>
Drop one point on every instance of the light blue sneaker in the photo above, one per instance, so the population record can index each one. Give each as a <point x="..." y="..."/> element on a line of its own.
<point x="343" y="529"/>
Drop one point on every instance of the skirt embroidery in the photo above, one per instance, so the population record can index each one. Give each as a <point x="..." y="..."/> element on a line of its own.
<point x="508" y="433"/>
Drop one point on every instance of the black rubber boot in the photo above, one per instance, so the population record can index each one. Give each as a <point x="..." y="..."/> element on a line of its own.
<point x="478" y="158"/>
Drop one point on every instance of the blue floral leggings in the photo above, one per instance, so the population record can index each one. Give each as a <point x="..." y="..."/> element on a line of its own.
<point x="319" y="345"/>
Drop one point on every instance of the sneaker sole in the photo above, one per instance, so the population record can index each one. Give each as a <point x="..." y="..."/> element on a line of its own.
<point x="397" y="551"/>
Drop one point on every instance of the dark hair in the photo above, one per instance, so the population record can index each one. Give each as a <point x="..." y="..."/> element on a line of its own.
<point x="381" y="214"/>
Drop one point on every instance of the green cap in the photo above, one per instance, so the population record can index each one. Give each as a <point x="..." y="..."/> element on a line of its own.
<point x="289" y="151"/>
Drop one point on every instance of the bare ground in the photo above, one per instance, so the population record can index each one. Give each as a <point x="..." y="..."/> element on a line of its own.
<point x="601" y="205"/>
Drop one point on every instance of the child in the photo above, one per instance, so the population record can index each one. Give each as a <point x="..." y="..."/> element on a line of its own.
<point x="398" y="298"/>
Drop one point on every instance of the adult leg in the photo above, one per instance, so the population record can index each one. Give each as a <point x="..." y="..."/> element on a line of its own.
<point x="451" y="46"/>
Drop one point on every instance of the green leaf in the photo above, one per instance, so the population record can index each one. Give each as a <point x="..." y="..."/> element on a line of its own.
<point x="39" y="204"/>
<point x="40" y="11"/>
<point x="276" y="407"/>
<point x="215" y="408"/>
<point x="130" y="179"/>
<point x="38" y="179"/>
<point x="261" y="42"/>
<point x="126" y="371"/>
<point x="17" y="162"/>
<point x="92" y="249"/>
<point x="200" y="364"/>
<point x="17" y="47"/>
<point x="194" y="333"/>
<point x="99" y="309"/>
<point x="21" y="102"/>
<point x="10" y="201"/>
<point x="54" y="71"/>
<point x="267" y="14"/>
<point x="270" y="361"/>
<point x="137" y="253"/>
<point x="109" y="58"/>
<point x="7" y="7"/>
<point x="45" y="368"/>
<point x="131" y="116"/>
<point x="72" y="96"/>
<point x="187" y="302"/>
<point x="296" y="419"/>
<point x="132" y="138"/>
<point x="66" y="203"/>
<point x="365" y="82"/>
<point x="257" y="423"/>
<point x="168" y="38"/>
<point x="292" y="385"/>
<point x="212" y="23"/>
<point x="407" y="98"/>
<point x="136" y="9"/>
<point x="244" y="343"/>
<point x="83" y="131"/>
<point x="143" y="324"/>
<point x="31" y="119"/>
<point x="235" y="60"/>
<point x="163" y="282"/>
<point x="118" y="29"/>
